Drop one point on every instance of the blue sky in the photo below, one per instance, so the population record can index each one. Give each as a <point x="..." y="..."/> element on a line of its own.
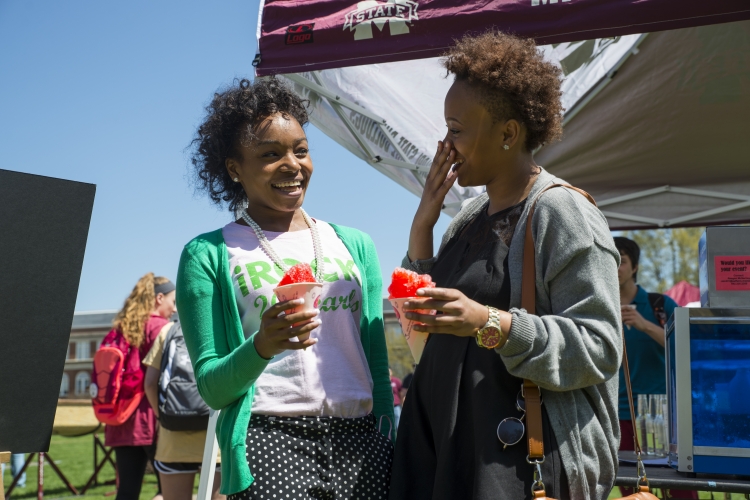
<point x="110" y="93"/>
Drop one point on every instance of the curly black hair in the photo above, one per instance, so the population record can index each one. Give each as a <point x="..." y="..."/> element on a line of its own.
<point x="229" y="123"/>
<point x="514" y="82"/>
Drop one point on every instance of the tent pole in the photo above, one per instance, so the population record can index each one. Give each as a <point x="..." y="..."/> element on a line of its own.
<point x="743" y="202"/>
<point x="332" y="98"/>
<point x="666" y="189"/>
<point x="370" y="156"/>
<point x="380" y="122"/>
<point x="708" y="213"/>
<point x="404" y="165"/>
<point x="632" y="196"/>
<point x="710" y="194"/>
<point x="337" y="102"/>
<point x="635" y="218"/>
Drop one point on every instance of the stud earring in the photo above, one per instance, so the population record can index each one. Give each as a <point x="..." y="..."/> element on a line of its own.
<point x="506" y="147"/>
<point x="236" y="179"/>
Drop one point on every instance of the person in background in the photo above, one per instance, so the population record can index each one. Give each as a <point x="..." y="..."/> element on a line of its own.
<point x="146" y="311"/>
<point x="644" y="315"/>
<point x="16" y="464"/>
<point x="179" y="454"/>
<point x="396" y="387"/>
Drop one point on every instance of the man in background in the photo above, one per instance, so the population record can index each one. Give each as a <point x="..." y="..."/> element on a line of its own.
<point x="644" y="315"/>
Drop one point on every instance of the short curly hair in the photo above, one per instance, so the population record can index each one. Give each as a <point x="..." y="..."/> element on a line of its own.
<point x="514" y="81"/>
<point x="229" y="123"/>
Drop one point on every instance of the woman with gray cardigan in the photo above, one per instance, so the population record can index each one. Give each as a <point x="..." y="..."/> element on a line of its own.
<point x="462" y="427"/>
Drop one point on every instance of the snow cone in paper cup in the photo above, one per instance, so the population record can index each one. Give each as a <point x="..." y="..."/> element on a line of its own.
<point x="299" y="283"/>
<point x="404" y="286"/>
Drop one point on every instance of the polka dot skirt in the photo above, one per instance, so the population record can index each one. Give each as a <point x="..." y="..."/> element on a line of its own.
<point x="317" y="458"/>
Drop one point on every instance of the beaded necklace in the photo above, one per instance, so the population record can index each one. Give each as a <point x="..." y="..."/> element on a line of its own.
<point x="268" y="249"/>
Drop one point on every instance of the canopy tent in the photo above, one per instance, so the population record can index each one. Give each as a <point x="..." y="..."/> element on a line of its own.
<point x="652" y="128"/>
<point x="684" y="293"/>
<point x="299" y="36"/>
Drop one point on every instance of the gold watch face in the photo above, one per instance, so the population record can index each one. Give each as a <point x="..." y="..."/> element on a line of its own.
<point x="489" y="337"/>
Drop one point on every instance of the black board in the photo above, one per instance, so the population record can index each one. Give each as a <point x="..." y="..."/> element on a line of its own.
<point x="44" y="223"/>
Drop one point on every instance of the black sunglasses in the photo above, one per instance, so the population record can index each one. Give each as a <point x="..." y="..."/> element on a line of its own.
<point x="511" y="430"/>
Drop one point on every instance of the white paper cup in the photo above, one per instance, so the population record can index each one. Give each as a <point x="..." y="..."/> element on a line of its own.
<point x="311" y="292"/>
<point x="415" y="339"/>
<point x="627" y="306"/>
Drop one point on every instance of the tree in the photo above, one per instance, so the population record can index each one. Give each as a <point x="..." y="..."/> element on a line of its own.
<point x="685" y="252"/>
<point x="668" y="256"/>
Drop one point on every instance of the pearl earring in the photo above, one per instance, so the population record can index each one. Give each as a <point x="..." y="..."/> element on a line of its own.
<point x="236" y="179"/>
<point x="506" y="147"/>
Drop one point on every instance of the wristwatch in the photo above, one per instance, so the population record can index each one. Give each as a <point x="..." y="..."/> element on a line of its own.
<point x="490" y="335"/>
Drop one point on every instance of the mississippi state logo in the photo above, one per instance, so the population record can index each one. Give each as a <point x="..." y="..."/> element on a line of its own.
<point x="399" y="14"/>
<point x="300" y="33"/>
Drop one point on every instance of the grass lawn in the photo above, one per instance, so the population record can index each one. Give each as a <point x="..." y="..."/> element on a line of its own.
<point x="74" y="456"/>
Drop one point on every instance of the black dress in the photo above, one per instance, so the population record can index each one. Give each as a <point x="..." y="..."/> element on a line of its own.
<point x="447" y="445"/>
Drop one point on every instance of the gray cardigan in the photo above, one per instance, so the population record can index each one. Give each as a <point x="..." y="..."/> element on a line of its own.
<point x="572" y="348"/>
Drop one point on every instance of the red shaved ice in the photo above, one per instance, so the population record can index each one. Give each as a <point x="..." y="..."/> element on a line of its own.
<point x="405" y="283"/>
<point x="298" y="273"/>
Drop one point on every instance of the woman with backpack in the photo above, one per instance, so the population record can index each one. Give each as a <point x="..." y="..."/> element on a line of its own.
<point x="299" y="419"/>
<point x="146" y="311"/>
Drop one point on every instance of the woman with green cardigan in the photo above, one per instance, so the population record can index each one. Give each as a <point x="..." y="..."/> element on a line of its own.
<point x="302" y="419"/>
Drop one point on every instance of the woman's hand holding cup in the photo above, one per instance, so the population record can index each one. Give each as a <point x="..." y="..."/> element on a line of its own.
<point x="277" y="330"/>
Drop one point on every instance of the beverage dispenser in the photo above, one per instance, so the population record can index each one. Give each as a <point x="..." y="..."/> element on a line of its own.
<point x="708" y="362"/>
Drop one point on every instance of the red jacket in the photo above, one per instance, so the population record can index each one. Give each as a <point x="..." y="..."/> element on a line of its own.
<point x="140" y="428"/>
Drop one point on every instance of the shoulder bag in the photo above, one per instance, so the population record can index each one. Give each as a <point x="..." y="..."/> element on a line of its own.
<point x="532" y="393"/>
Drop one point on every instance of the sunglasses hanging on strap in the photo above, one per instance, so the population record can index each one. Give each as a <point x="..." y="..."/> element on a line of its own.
<point x="510" y="431"/>
<point x="532" y="394"/>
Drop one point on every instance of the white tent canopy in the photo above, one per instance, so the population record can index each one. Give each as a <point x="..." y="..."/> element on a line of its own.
<point x="655" y="128"/>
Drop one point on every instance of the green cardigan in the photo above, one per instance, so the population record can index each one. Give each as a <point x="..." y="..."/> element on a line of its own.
<point x="227" y="366"/>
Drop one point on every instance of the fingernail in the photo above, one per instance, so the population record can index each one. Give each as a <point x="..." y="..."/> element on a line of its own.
<point x="410" y="315"/>
<point x="420" y="292"/>
<point x="298" y="301"/>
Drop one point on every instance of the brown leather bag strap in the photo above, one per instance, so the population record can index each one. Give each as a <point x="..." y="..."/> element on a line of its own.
<point x="528" y="287"/>
<point x="534" y="431"/>
<point x="531" y="392"/>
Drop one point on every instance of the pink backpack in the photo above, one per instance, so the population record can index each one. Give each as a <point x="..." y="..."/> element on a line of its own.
<point x="117" y="386"/>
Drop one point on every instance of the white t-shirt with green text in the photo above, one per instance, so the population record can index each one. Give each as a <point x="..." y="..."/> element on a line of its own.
<point x="332" y="377"/>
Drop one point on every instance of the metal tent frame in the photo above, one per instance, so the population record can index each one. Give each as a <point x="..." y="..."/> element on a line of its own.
<point x="608" y="205"/>
<point x="338" y="102"/>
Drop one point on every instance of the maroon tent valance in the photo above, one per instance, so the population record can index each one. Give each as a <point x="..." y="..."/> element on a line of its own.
<point x="298" y="36"/>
